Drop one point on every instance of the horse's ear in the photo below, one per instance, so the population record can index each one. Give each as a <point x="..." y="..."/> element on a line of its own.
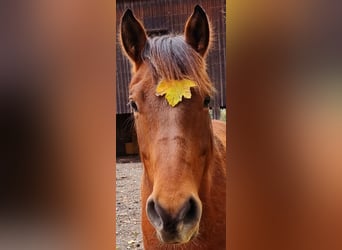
<point x="133" y="37"/>
<point x="197" y="31"/>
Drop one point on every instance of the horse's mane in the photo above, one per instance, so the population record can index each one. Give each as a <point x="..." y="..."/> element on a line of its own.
<point x="172" y="58"/>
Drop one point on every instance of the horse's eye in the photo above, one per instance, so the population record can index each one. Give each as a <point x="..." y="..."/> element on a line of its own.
<point x="133" y="106"/>
<point x="206" y="101"/>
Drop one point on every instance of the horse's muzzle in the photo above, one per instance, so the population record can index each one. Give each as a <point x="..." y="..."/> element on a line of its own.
<point x="180" y="227"/>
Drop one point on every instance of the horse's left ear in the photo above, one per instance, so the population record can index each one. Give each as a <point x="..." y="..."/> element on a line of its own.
<point x="133" y="37"/>
<point x="197" y="31"/>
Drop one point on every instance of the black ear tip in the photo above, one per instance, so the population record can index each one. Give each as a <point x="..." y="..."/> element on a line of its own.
<point x="128" y="13"/>
<point x="199" y="9"/>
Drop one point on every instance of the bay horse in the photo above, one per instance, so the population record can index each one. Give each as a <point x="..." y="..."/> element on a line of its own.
<point x="183" y="189"/>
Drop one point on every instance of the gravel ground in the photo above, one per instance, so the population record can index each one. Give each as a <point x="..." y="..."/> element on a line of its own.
<point x="128" y="231"/>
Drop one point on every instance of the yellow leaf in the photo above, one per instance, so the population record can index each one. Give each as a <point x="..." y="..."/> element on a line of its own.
<point x="175" y="90"/>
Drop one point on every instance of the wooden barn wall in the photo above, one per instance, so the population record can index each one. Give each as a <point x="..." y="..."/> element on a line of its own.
<point x="172" y="15"/>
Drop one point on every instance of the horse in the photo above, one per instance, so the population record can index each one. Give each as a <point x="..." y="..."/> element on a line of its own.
<point x="183" y="151"/>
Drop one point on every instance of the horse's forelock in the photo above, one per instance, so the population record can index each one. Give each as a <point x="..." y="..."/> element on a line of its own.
<point x="172" y="58"/>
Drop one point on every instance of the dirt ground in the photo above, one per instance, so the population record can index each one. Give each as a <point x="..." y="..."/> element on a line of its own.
<point x="128" y="231"/>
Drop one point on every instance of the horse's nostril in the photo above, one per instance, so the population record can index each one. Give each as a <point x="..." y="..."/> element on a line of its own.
<point x="153" y="213"/>
<point x="189" y="212"/>
<point x="189" y="215"/>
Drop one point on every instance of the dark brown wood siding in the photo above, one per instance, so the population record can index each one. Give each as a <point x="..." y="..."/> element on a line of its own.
<point x="171" y="16"/>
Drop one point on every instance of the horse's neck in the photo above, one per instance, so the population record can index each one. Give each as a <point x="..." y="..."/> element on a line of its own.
<point x="218" y="158"/>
